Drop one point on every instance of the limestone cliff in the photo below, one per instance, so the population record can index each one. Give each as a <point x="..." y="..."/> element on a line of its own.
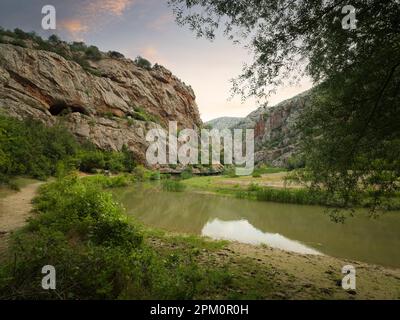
<point x="112" y="106"/>
<point x="276" y="139"/>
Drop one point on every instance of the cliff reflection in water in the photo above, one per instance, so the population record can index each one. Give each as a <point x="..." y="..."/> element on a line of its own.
<point x="243" y="231"/>
<point x="300" y="228"/>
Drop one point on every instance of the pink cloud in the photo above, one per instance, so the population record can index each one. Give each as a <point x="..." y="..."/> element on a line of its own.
<point x="90" y="13"/>
<point x="116" y="7"/>
<point x="150" y="53"/>
<point x="74" y="26"/>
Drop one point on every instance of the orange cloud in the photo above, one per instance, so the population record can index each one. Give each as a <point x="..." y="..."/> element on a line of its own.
<point x="87" y="18"/>
<point x="116" y="7"/>
<point x="150" y="53"/>
<point x="73" y="26"/>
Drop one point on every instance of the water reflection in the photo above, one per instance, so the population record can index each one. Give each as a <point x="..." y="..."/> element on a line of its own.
<point x="243" y="231"/>
<point x="360" y="238"/>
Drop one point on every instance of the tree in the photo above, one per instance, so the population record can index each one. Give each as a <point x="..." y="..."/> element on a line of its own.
<point x="54" y="39"/>
<point x="143" y="63"/>
<point x="350" y="129"/>
<point x="93" y="53"/>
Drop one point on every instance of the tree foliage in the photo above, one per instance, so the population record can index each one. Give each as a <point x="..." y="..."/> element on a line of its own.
<point x="351" y="127"/>
<point x="32" y="149"/>
<point x="143" y="63"/>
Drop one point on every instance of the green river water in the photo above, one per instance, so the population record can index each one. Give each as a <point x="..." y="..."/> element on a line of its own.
<point x="296" y="228"/>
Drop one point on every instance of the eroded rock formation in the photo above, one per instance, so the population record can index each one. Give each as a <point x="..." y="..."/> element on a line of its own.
<point x="111" y="108"/>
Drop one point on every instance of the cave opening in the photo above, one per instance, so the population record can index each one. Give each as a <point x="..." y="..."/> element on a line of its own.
<point x="61" y="108"/>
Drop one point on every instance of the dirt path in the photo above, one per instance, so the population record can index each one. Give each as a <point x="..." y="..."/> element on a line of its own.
<point x="14" y="210"/>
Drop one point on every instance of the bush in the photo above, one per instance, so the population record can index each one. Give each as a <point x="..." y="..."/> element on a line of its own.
<point x="20" y="34"/>
<point x="129" y="161"/>
<point x="173" y="186"/>
<point x="114" y="161"/>
<point x="155" y="176"/>
<point x="108" y="182"/>
<point x="54" y="39"/>
<point x="78" y="46"/>
<point x="143" y="63"/>
<point x="187" y="173"/>
<point x="298" y="196"/>
<point x="142" y="115"/>
<point x="29" y="148"/>
<point x="19" y="43"/>
<point x="230" y="172"/>
<point x="93" y="53"/>
<point x="92" y="160"/>
<point x="139" y="173"/>
<point x="116" y="55"/>
<point x="256" y="174"/>
<point x="296" y="162"/>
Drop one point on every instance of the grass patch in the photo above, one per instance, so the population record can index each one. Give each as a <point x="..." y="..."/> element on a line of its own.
<point x="173" y="185"/>
<point x="109" y="182"/>
<point x="298" y="196"/>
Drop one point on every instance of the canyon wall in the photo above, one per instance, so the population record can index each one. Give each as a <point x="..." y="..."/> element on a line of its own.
<point x="276" y="138"/>
<point x="112" y="106"/>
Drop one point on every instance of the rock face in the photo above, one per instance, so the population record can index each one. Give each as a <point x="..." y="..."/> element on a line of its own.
<point x="276" y="139"/>
<point x="112" y="108"/>
<point x="224" y="122"/>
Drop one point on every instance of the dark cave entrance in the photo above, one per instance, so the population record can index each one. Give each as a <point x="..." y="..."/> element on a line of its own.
<point x="61" y="108"/>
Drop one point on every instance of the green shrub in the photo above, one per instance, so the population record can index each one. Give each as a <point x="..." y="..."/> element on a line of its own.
<point x="253" y="187"/>
<point x="256" y="174"/>
<point x="29" y="148"/>
<point x="108" y="182"/>
<point x="129" y="161"/>
<point x="116" y="55"/>
<point x="114" y="161"/>
<point x="54" y="39"/>
<point x="173" y="186"/>
<point x="139" y="173"/>
<point x="187" y="173"/>
<point x="93" y="53"/>
<point x="143" y="63"/>
<point x="298" y="196"/>
<point x="78" y="46"/>
<point x="230" y="172"/>
<point x="155" y="176"/>
<point x="92" y="160"/>
<point x="296" y="162"/>
<point x="19" y="43"/>
<point x="142" y="115"/>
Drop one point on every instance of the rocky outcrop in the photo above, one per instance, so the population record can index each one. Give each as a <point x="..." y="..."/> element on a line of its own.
<point x="224" y="123"/>
<point x="113" y="107"/>
<point x="276" y="139"/>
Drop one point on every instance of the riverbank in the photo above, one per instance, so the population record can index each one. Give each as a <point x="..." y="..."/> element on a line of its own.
<point x="192" y="267"/>
<point x="273" y="187"/>
<point x="260" y="272"/>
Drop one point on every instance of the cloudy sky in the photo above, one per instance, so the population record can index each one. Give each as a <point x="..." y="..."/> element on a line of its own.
<point x="147" y="28"/>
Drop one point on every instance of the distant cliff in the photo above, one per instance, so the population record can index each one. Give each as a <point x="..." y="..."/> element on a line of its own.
<point x="111" y="102"/>
<point x="276" y="139"/>
<point x="224" y="123"/>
